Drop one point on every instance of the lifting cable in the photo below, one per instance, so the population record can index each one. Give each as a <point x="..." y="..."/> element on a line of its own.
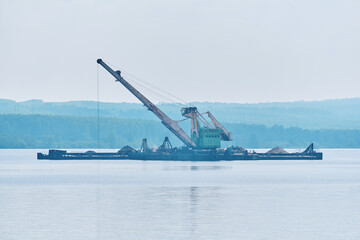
<point x="98" y="107"/>
<point x="153" y="93"/>
<point x="149" y="91"/>
<point x="157" y="93"/>
<point x="179" y="100"/>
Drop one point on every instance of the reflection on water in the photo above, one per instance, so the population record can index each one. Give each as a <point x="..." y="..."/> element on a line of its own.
<point x="195" y="168"/>
<point x="179" y="200"/>
<point x="193" y="202"/>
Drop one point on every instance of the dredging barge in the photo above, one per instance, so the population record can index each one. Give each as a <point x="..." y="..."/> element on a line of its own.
<point x="204" y="143"/>
<point x="183" y="154"/>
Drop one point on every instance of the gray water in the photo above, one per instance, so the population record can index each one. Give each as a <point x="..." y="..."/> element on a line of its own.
<point x="180" y="200"/>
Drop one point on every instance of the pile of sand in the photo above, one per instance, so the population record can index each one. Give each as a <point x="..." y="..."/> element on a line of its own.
<point x="277" y="150"/>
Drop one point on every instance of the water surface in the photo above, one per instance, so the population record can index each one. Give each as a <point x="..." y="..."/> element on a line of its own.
<point x="180" y="200"/>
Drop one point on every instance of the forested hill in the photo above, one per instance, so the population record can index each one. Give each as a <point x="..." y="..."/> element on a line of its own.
<point x="328" y="114"/>
<point x="45" y="131"/>
<point x="38" y="124"/>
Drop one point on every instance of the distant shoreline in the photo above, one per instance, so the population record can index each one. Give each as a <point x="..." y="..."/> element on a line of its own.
<point x="37" y="124"/>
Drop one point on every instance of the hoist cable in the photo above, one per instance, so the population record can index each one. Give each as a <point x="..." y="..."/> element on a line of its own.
<point x="98" y="107"/>
<point x="159" y="89"/>
<point x="153" y="93"/>
<point x="138" y="79"/>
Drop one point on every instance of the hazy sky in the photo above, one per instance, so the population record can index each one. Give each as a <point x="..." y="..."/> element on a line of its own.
<point x="225" y="51"/>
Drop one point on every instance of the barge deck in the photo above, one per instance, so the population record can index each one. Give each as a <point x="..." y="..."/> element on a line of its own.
<point x="182" y="154"/>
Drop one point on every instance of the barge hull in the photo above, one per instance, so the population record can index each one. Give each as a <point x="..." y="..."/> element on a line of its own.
<point x="194" y="156"/>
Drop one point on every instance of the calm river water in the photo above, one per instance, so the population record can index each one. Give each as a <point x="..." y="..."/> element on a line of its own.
<point x="180" y="200"/>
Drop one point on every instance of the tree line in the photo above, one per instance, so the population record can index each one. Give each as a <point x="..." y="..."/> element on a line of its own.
<point x="327" y="114"/>
<point x="51" y="131"/>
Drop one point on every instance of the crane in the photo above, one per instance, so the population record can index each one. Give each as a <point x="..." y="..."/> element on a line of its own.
<point x="210" y="134"/>
<point x="206" y="137"/>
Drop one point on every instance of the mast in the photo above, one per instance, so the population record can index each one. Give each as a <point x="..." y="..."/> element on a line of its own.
<point x="172" y="125"/>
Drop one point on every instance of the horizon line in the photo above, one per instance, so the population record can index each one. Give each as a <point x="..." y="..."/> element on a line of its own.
<point x="294" y="101"/>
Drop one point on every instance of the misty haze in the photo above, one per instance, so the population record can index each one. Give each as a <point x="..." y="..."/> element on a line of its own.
<point x="155" y="119"/>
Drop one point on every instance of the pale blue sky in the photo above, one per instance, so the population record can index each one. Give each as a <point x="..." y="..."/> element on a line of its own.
<point x="225" y="51"/>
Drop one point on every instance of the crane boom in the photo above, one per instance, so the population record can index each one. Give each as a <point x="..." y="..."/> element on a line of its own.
<point x="225" y="135"/>
<point x="172" y="125"/>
